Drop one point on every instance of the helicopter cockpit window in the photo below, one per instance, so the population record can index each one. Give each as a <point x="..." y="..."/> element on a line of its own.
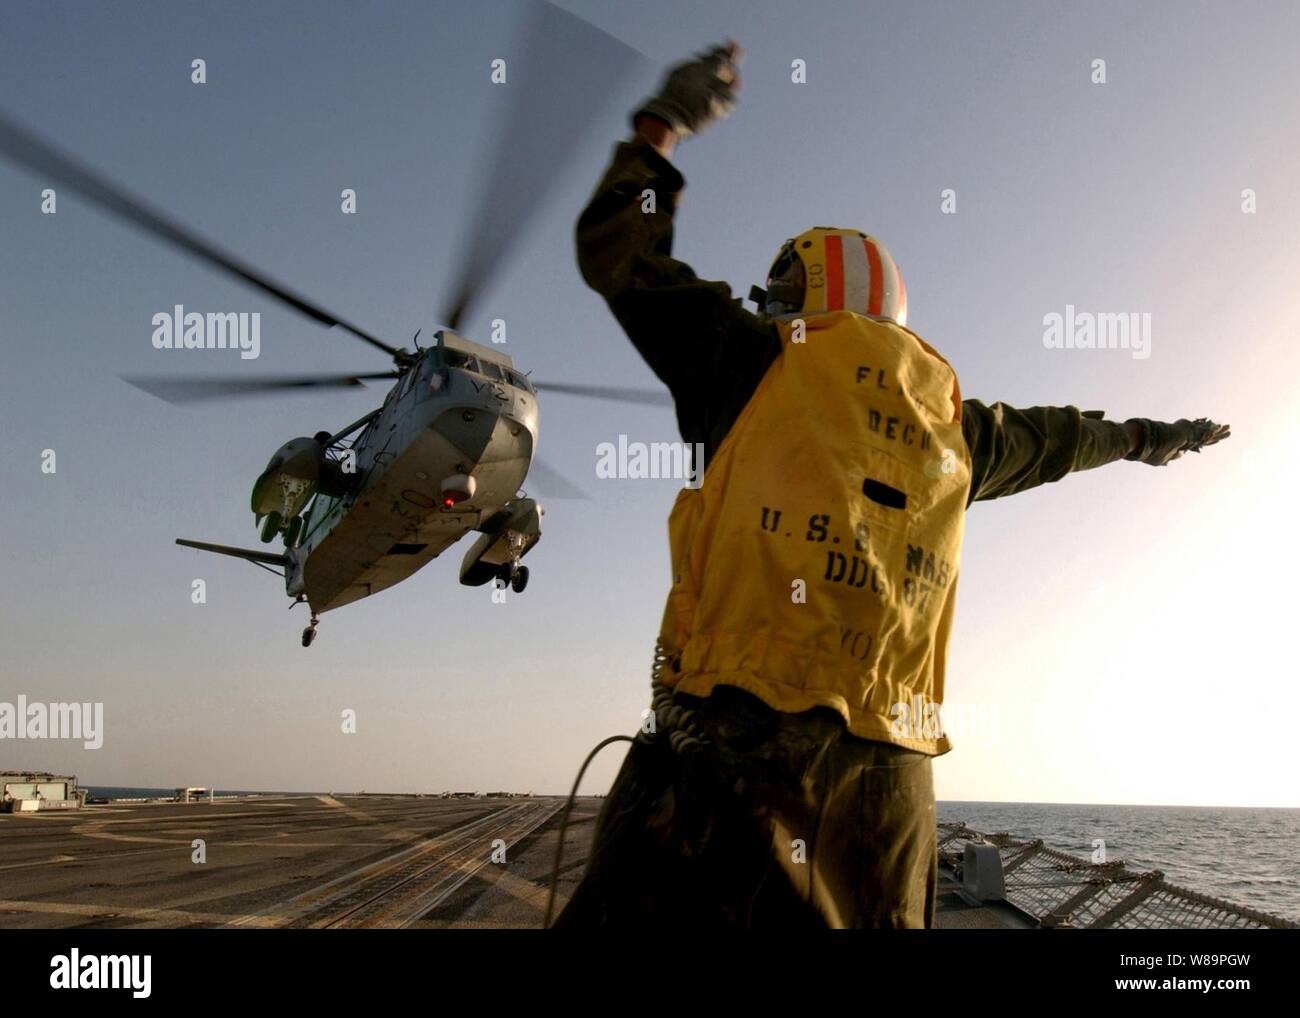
<point x="491" y="369"/>
<point x="518" y="380"/>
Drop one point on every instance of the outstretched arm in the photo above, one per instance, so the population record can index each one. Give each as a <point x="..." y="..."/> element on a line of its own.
<point x="1014" y="450"/>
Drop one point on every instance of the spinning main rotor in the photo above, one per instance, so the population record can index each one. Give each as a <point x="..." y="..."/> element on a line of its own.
<point x="562" y="73"/>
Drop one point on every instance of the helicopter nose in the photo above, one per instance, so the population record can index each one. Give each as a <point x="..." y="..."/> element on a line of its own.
<point x="469" y="429"/>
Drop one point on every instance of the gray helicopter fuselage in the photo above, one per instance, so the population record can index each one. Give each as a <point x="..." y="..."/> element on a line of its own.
<point x="460" y="412"/>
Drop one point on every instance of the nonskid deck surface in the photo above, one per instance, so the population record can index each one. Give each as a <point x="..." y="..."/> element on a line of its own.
<point x="430" y="862"/>
<point x="319" y="861"/>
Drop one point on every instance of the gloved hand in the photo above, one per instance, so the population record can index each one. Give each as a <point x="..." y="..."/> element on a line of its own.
<point x="696" y="92"/>
<point x="1163" y="443"/>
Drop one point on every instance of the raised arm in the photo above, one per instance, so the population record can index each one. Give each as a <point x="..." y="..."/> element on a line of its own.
<point x="709" y="350"/>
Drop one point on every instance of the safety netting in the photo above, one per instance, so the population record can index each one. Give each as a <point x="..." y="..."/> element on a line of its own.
<point x="1065" y="891"/>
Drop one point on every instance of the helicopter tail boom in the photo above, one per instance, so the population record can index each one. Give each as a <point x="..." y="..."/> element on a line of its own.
<point x="269" y="558"/>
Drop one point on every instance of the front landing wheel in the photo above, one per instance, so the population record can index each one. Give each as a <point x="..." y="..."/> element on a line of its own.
<point x="519" y="580"/>
<point x="271" y="526"/>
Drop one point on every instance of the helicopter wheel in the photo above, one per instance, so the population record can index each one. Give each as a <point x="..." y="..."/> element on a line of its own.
<point x="519" y="580"/>
<point x="292" y="532"/>
<point x="309" y="634"/>
<point x="271" y="526"/>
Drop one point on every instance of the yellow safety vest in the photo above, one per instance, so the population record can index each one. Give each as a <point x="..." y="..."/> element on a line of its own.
<point x="816" y="564"/>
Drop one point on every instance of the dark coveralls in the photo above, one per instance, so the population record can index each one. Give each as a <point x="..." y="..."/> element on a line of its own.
<point x="697" y="829"/>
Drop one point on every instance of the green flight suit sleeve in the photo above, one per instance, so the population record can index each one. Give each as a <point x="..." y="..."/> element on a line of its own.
<point x="709" y="350"/>
<point x="1015" y="450"/>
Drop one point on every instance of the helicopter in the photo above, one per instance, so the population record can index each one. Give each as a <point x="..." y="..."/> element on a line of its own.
<point x="363" y="508"/>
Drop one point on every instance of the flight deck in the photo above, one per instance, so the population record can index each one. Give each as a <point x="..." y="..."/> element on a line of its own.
<point x="303" y="861"/>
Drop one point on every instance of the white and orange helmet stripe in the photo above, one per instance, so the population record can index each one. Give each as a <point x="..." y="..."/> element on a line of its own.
<point x="846" y="270"/>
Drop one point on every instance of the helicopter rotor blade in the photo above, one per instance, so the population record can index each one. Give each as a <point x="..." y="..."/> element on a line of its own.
<point x="197" y="390"/>
<point x="552" y="484"/>
<point x="29" y="150"/>
<point x="646" y="397"/>
<point x="563" y="72"/>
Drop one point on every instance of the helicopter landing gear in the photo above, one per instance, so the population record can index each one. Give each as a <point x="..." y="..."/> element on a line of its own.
<point x="275" y="523"/>
<point x="513" y="576"/>
<point x="271" y="526"/>
<point x="512" y="572"/>
<point x="309" y="634"/>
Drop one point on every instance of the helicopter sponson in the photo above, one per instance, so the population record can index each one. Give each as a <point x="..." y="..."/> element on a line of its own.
<point x="298" y="470"/>
<point x="504" y="539"/>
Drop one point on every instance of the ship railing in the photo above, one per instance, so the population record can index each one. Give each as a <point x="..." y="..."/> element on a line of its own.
<point x="1066" y="891"/>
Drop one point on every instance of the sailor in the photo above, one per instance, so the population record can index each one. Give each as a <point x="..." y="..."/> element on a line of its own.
<point x="779" y="786"/>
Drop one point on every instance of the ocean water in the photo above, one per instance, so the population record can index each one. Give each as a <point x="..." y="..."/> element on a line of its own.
<point x="1246" y="856"/>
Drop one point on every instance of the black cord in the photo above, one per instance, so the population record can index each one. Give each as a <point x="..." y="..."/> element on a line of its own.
<point x="564" y="822"/>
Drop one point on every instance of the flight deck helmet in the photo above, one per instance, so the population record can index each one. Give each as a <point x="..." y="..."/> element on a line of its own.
<point x="830" y="269"/>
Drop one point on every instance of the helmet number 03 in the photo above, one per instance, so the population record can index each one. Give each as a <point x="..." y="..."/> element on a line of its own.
<point x="816" y="276"/>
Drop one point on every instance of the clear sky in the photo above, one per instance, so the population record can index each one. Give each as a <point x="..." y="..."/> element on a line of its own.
<point x="1122" y="636"/>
